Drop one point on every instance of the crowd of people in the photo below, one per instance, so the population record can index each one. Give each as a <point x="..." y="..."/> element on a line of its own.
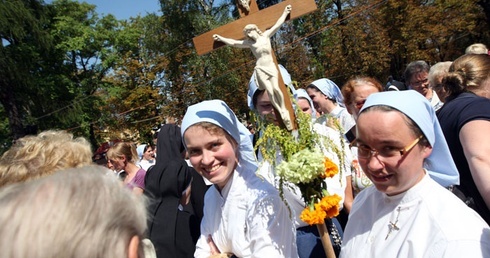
<point x="415" y="178"/>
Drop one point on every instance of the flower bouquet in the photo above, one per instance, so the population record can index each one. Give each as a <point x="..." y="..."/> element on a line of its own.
<point x="305" y="165"/>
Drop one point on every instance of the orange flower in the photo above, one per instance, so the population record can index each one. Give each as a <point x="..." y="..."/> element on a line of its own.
<point x="331" y="205"/>
<point x="313" y="216"/>
<point x="331" y="168"/>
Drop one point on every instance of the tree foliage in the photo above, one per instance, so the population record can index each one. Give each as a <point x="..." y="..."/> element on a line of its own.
<point x="53" y="62"/>
<point x="133" y="93"/>
<point x="25" y="45"/>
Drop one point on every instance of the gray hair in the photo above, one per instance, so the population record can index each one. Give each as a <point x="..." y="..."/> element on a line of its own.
<point x="477" y="48"/>
<point x="414" y="68"/>
<point x="438" y="70"/>
<point x="78" y="212"/>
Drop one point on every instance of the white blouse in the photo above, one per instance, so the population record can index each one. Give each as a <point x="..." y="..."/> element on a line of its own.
<point x="425" y="221"/>
<point x="248" y="219"/>
<point x="345" y="119"/>
<point x="145" y="164"/>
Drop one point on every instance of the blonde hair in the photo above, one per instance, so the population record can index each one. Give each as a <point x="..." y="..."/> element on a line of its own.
<point x="32" y="157"/>
<point x="467" y="73"/>
<point x="78" y="212"/>
<point x="123" y="149"/>
<point x="477" y="48"/>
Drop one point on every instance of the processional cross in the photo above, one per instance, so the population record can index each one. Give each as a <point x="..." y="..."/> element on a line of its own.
<point x="259" y="25"/>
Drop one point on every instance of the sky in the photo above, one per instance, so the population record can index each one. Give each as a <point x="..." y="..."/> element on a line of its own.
<point x="123" y="9"/>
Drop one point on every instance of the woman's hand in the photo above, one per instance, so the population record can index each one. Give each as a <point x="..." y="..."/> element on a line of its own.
<point x="215" y="252"/>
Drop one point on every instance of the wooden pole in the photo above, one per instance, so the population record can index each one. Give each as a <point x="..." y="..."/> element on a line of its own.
<point x="327" y="244"/>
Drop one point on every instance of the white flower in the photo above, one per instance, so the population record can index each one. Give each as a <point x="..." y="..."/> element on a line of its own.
<point x="303" y="166"/>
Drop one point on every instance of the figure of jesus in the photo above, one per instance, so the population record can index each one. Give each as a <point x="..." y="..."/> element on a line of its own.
<point x="266" y="72"/>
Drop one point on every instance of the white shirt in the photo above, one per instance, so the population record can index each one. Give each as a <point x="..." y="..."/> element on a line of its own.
<point x="248" y="219"/>
<point x="430" y="222"/>
<point x="346" y="120"/>
<point x="292" y="193"/>
<point x="435" y="102"/>
<point x="145" y="164"/>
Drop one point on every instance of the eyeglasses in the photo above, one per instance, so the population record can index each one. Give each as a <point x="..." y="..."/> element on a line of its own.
<point x="365" y="152"/>
<point x="419" y="83"/>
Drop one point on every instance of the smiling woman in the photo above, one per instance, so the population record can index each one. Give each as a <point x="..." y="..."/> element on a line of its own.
<point x="405" y="214"/>
<point x="212" y="152"/>
<point x="240" y="204"/>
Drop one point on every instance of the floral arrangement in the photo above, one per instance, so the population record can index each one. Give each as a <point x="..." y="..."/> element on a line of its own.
<point x="305" y="165"/>
<point x="307" y="169"/>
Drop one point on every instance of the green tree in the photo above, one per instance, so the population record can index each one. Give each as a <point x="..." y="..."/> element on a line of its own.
<point x="86" y="43"/>
<point x="133" y="98"/>
<point x="53" y="59"/>
<point x="25" y="44"/>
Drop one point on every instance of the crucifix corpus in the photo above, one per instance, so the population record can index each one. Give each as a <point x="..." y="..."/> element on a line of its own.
<point x="254" y="30"/>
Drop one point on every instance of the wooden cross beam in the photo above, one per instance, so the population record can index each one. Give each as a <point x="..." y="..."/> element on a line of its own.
<point x="253" y="8"/>
<point x="264" y="19"/>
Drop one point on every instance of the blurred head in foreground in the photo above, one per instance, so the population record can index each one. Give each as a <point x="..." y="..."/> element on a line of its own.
<point x="81" y="212"/>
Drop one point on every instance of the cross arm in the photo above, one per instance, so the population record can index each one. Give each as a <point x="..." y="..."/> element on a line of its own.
<point x="264" y="19"/>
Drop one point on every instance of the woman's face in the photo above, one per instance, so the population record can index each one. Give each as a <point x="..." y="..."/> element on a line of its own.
<point x="211" y="154"/>
<point x="118" y="164"/>
<point x="388" y="132"/>
<point x="304" y="105"/>
<point x="438" y="87"/>
<point x="359" y="96"/>
<point x="149" y="154"/>
<point x="265" y="108"/>
<point x="319" y="100"/>
<point x="420" y="82"/>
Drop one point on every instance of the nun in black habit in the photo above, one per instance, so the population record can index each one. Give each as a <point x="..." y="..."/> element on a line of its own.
<point x="176" y="198"/>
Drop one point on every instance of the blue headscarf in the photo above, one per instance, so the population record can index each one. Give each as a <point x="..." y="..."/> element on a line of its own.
<point x="439" y="164"/>
<point x="329" y="89"/>
<point x="218" y="113"/>
<point x="252" y="85"/>
<point x="141" y="150"/>
<point x="301" y="93"/>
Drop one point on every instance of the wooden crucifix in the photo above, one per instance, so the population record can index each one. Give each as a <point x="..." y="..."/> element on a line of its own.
<point x="253" y="30"/>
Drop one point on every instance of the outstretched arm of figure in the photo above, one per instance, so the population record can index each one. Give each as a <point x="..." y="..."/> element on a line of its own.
<point x="231" y="42"/>
<point x="279" y="22"/>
